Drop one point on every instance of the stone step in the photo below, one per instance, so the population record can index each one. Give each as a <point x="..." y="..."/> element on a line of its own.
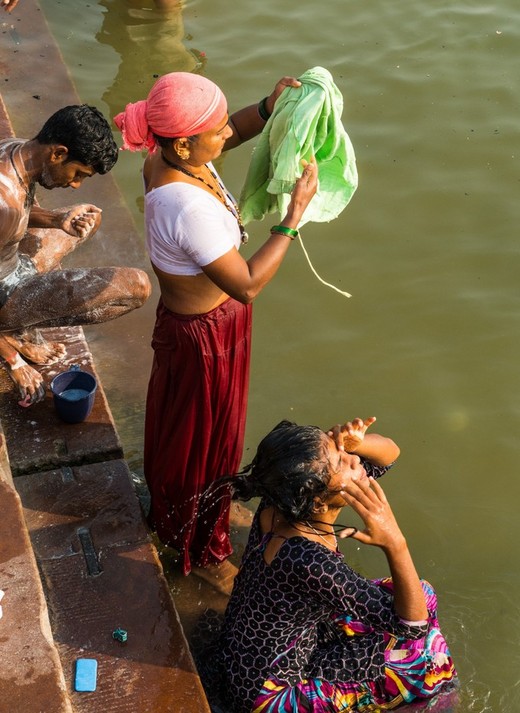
<point x="37" y="439"/>
<point x="31" y="674"/>
<point x="101" y="572"/>
<point x="99" y="567"/>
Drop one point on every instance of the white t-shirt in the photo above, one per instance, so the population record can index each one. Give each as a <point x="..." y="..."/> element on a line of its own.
<point x="187" y="228"/>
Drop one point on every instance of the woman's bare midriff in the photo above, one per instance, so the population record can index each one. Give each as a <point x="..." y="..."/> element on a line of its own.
<point x="189" y="294"/>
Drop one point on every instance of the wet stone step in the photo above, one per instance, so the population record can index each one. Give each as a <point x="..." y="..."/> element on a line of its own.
<point x="37" y="439"/>
<point x="101" y="573"/>
<point x="31" y="676"/>
<point x="98" y="567"/>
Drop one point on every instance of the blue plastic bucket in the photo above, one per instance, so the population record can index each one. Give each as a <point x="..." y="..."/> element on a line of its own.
<point x="73" y="393"/>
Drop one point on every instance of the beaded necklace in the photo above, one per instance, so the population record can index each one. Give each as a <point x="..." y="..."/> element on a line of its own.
<point x="29" y="192"/>
<point x="244" y="237"/>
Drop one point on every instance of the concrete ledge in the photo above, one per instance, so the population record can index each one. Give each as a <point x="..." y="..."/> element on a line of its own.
<point x="98" y="565"/>
<point x="37" y="439"/>
<point x="99" y="568"/>
<point x="32" y="676"/>
<point x="101" y="572"/>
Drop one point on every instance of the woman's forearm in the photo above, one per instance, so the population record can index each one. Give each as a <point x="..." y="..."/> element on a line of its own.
<point x="246" y="124"/>
<point x="367" y="498"/>
<point x="377" y="449"/>
<point x="409" y="602"/>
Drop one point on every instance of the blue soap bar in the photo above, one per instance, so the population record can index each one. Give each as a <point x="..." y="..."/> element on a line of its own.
<point x="86" y="674"/>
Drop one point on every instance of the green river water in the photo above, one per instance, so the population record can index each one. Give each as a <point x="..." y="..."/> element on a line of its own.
<point x="428" y="248"/>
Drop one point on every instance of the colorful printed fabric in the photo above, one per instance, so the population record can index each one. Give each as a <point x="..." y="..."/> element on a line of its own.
<point x="414" y="669"/>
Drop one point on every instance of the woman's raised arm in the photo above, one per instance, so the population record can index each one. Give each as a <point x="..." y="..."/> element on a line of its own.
<point x="249" y="121"/>
<point x="353" y="438"/>
<point x="242" y="279"/>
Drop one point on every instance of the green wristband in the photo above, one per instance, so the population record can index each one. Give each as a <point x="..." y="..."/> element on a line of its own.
<point x="282" y="230"/>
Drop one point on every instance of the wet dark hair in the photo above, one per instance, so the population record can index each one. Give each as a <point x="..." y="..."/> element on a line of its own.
<point x="290" y="468"/>
<point x="85" y="132"/>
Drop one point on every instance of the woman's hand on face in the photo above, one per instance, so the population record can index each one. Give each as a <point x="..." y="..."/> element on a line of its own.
<point x="366" y="497"/>
<point x="351" y="434"/>
<point x="282" y="84"/>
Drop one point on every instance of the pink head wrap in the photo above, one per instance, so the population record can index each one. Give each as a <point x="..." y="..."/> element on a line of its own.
<point x="179" y="104"/>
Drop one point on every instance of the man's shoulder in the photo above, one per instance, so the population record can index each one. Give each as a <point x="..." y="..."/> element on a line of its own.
<point x="6" y="146"/>
<point x="11" y="140"/>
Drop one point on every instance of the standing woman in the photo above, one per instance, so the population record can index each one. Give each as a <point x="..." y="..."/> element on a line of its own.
<point x="197" y="395"/>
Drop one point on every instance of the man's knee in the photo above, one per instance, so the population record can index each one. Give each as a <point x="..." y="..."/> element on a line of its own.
<point x="140" y="286"/>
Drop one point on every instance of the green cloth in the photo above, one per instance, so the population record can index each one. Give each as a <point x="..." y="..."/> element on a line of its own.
<point x="306" y="122"/>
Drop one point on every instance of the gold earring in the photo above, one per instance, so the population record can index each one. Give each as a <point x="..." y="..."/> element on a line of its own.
<point x="183" y="154"/>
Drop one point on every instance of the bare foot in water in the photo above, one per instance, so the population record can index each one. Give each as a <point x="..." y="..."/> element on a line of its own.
<point x="221" y="576"/>
<point x="240" y="516"/>
<point x="38" y="351"/>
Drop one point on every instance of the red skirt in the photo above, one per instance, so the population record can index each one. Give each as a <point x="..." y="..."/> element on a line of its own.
<point x="194" y="427"/>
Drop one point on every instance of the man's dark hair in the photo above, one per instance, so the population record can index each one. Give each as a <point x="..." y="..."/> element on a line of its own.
<point x="85" y="132"/>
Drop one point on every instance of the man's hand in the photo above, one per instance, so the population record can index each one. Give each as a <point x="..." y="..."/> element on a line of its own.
<point x="9" y="5"/>
<point x="79" y="220"/>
